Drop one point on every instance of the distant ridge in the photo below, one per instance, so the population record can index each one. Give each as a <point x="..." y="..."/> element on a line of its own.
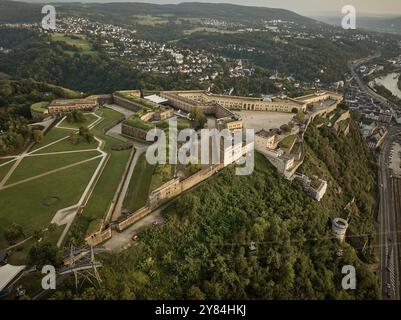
<point x="13" y="11"/>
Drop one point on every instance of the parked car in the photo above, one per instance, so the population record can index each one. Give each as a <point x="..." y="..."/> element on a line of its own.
<point x="135" y="237"/>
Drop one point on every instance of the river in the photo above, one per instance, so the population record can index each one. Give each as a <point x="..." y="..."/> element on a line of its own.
<point x="390" y="82"/>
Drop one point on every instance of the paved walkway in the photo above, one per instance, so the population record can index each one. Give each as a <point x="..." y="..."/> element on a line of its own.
<point x="123" y="240"/>
<point x="15" y="165"/>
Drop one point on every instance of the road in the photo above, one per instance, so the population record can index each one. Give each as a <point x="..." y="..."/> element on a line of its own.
<point x="123" y="240"/>
<point x="365" y="88"/>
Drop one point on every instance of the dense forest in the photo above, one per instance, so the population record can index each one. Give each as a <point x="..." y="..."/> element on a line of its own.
<point x="11" y="12"/>
<point x="205" y="249"/>
<point x="50" y="62"/>
<point x="306" y="59"/>
<point x="16" y="97"/>
<point x="346" y="163"/>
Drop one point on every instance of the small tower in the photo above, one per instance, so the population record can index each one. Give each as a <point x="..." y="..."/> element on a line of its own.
<point x="339" y="227"/>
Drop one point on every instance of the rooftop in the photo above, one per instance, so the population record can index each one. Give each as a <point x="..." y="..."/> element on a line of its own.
<point x="8" y="273"/>
<point x="156" y="99"/>
<point x="63" y="102"/>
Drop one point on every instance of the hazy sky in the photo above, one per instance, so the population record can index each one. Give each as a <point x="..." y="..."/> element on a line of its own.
<point x="300" y="6"/>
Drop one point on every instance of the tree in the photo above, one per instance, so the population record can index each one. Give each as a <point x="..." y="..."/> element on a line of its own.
<point x="37" y="135"/>
<point x="37" y="234"/>
<point x="74" y="138"/>
<point x="75" y="116"/>
<point x="198" y="118"/>
<point x="13" y="233"/>
<point x="43" y="253"/>
<point x="286" y="128"/>
<point x="194" y="293"/>
<point x="300" y="117"/>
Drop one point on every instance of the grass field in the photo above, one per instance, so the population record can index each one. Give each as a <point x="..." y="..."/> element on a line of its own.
<point x="147" y="20"/>
<point x="112" y="173"/>
<point x="288" y="141"/>
<point x="32" y="166"/>
<point x="64" y="145"/>
<point x="209" y="30"/>
<point x="54" y="135"/>
<point x="4" y="169"/>
<point x="139" y="186"/>
<point x="161" y="175"/>
<point x="75" y="40"/>
<point x="34" y="203"/>
<point x="39" y="106"/>
<point x="89" y="119"/>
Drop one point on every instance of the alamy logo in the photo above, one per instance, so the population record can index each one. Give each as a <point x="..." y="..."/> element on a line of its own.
<point x="49" y="280"/>
<point x="213" y="147"/>
<point x="349" y="20"/>
<point x="49" y="20"/>
<point x="349" y="280"/>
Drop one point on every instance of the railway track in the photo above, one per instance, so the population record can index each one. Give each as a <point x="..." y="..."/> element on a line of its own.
<point x="396" y="189"/>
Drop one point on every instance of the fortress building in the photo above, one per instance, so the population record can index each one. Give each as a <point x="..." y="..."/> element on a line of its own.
<point x="187" y="100"/>
<point x="60" y="106"/>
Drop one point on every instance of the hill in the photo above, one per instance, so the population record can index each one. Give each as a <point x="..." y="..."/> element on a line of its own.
<point x="17" y="12"/>
<point x="189" y="10"/>
<point x="11" y="11"/>
<point x="205" y="251"/>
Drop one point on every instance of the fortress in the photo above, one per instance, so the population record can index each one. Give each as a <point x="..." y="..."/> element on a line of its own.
<point x="188" y="100"/>
<point x="283" y="149"/>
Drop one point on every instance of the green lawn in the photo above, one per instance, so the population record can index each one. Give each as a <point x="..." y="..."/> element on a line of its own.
<point x="161" y="175"/>
<point x="112" y="173"/>
<point x="53" y="135"/>
<point x="138" y="190"/>
<point x="135" y="122"/>
<point x="89" y="119"/>
<point x="107" y="185"/>
<point x="66" y="145"/>
<point x="4" y="169"/>
<point x="148" y="20"/>
<point x="79" y="41"/>
<point x="40" y="106"/>
<point x="34" y="203"/>
<point x="32" y="166"/>
<point x="287" y="141"/>
<point x="63" y="145"/>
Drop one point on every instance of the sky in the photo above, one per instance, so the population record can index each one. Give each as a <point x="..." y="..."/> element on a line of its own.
<point x="305" y="7"/>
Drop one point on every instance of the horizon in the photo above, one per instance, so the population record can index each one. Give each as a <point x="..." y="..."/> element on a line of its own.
<point x="307" y="7"/>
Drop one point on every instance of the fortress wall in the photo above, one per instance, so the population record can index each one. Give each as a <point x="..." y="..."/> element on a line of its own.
<point x="346" y="115"/>
<point x="200" y="176"/>
<point x="133" y="132"/>
<point x="98" y="237"/>
<point x="132" y="218"/>
<point x="131" y="105"/>
<point x="113" y="124"/>
<point x="222" y="112"/>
